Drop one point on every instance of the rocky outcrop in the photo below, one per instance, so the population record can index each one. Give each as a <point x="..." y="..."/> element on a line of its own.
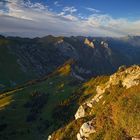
<point x="86" y="129"/>
<point x="135" y="138"/>
<point x="80" y="112"/>
<point x="104" y="44"/>
<point x="89" y="43"/>
<point x="92" y="119"/>
<point x="127" y="78"/>
<point x="49" y="137"/>
<point x="88" y="104"/>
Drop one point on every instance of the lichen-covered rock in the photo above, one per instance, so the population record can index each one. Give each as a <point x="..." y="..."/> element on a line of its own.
<point x="88" y="104"/>
<point x="80" y="112"/>
<point x="135" y="138"/>
<point x="100" y="89"/>
<point x="86" y="129"/>
<point x="93" y="101"/>
<point x="49" y="137"/>
<point x="127" y="78"/>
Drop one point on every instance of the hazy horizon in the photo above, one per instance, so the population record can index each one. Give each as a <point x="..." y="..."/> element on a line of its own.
<point x="86" y="36"/>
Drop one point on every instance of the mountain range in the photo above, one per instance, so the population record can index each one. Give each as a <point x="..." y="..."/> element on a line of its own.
<point x="23" y="59"/>
<point x="70" y="88"/>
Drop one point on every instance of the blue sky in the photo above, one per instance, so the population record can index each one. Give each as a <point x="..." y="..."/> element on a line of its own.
<point x="70" y="17"/>
<point x="116" y="8"/>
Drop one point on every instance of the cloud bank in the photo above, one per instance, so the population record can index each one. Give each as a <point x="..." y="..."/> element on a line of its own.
<point x="26" y="19"/>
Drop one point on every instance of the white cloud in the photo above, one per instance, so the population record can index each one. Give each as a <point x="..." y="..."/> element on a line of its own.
<point x="57" y="3"/>
<point x="92" y="10"/>
<point x="28" y="19"/>
<point x="69" y="9"/>
<point x="70" y="17"/>
<point x="61" y="14"/>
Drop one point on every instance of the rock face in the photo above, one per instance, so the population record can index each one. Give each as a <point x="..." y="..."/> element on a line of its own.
<point x="127" y="78"/>
<point x="135" y="138"/>
<point x="89" y="43"/>
<point x="86" y="129"/>
<point x="88" y="104"/>
<point x="80" y="113"/>
<point x="104" y="44"/>
<point x="49" y="137"/>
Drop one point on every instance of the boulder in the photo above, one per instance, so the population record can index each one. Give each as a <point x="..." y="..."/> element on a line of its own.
<point x="135" y="138"/>
<point x="80" y="113"/>
<point x="49" y="137"/>
<point x="86" y="129"/>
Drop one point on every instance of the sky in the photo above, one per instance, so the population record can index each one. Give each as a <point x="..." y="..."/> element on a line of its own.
<point x="37" y="18"/>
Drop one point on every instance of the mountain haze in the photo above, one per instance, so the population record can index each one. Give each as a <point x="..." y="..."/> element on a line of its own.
<point x="33" y="58"/>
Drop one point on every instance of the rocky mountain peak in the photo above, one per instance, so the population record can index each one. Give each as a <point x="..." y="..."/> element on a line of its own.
<point x="104" y="44"/>
<point x="89" y="43"/>
<point x="59" y="41"/>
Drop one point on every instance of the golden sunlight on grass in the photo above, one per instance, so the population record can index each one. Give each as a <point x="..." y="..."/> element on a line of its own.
<point x="10" y="93"/>
<point x="65" y="70"/>
<point x="90" y="86"/>
<point x="5" y="101"/>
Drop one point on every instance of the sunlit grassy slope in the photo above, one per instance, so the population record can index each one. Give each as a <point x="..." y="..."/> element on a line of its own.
<point x="117" y="115"/>
<point x="118" y="119"/>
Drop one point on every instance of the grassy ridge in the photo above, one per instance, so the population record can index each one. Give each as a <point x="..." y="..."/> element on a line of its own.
<point x="117" y="114"/>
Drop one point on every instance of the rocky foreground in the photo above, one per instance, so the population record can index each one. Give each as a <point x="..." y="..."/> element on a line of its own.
<point x="111" y="112"/>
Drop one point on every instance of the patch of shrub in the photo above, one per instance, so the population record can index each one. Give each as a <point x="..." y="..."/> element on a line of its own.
<point x="35" y="104"/>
